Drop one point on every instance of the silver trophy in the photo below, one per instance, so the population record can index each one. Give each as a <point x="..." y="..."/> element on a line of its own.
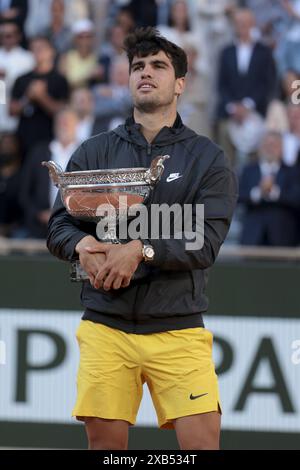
<point x="84" y="192"/>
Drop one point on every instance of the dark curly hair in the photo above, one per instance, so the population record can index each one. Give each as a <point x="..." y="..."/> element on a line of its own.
<point x="148" y="41"/>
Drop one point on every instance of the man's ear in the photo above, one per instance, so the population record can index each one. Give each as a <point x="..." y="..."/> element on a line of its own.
<point x="179" y="86"/>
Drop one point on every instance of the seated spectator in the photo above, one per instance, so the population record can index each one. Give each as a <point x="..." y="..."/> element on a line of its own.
<point x="37" y="96"/>
<point x="58" y="32"/>
<point x="82" y="102"/>
<point x="80" y="65"/>
<point x="114" y="100"/>
<point x="270" y="191"/>
<point x="14" y="62"/>
<point x="37" y="192"/>
<point x="246" y="81"/>
<point x="10" y="180"/>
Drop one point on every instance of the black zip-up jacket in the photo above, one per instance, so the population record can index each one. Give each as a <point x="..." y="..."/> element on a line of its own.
<point x="168" y="292"/>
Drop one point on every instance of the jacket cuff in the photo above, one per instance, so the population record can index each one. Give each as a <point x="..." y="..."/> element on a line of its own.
<point x="70" y="245"/>
<point x="160" y="252"/>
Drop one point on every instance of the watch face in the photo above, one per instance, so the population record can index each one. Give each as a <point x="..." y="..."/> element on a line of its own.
<point x="149" y="252"/>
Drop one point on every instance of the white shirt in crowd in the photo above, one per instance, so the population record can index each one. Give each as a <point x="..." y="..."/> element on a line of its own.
<point x="14" y="63"/>
<point x="61" y="156"/>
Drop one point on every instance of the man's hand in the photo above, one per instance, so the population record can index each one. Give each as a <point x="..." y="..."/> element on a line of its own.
<point x="36" y="90"/>
<point x="120" y="264"/>
<point x="91" y="262"/>
<point x="266" y="185"/>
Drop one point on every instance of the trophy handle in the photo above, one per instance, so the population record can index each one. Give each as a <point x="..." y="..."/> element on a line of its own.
<point x="54" y="171"/>
<point x="156" y="169"/>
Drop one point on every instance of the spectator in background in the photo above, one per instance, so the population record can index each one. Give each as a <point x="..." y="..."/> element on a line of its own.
<point x="114" y="100"/>
<point x="246" y="82"/>
<point x="144" y="13"/>
<point x="39" y="14"/>
<point x="14" y="62"/>
<point x="270" y="191"/>
<point x="288" y="51"/>
<point x="193" y="104"/>
<point x="125" y="19"/>
<point x="213" y="20"/>
<point x="112" y="49"/>
<point x="37" y="96"/>
<point x="10" y="180"/>
<point x="271" y="19"/>
<point x="58" y="32"/>
<point x="80" y="65"/>
<point x="277" y="116"/>
<point x="38" y="17"/>
<point x="37" y="193"/>
<point x="14" y="10"/>
<point x="82" y="102"/>
<point x="291" y="139"/>
<point x="179" y="29"/>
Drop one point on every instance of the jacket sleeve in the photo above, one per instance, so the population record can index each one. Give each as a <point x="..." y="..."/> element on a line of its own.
<point x="218" y="193"/>
<point x="64" y="231"/>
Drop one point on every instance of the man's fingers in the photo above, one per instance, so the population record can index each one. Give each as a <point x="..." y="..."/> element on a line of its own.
<point x="108" y="282"/>
<point x="117" y="283"/>
<point x="99" y="278"/>
<point x="102" y="248"/>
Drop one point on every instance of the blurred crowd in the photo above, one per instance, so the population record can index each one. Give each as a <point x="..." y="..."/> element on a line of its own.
<point x="64" y="76"/>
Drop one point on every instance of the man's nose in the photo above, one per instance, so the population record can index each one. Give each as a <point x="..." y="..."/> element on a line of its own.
<point x="147" y="71"/>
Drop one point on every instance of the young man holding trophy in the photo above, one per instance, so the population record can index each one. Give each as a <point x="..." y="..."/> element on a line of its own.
<point x="144" y="297"/>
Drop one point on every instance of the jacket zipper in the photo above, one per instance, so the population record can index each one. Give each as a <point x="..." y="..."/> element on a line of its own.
<point x="149" y="152"/>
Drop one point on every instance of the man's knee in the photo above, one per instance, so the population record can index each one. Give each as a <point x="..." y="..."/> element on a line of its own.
<point x="106" y="434"/>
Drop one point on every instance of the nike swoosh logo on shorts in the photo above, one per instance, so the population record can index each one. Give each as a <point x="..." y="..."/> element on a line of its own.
<point x="193" y="397"/>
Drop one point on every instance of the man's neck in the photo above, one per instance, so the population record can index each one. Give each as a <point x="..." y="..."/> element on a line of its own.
<point x="44" y="67"/>
<point x="152" y="123"/>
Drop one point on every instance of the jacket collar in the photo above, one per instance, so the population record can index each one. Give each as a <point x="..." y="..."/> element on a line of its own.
<point x="131" y="131"/>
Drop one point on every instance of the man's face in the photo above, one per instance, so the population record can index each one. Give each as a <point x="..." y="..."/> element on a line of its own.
<point x="271" y="148"/>
<point x="10" y="35"/>
<point x="152" y="82"/>
<point x="42" y="50"/>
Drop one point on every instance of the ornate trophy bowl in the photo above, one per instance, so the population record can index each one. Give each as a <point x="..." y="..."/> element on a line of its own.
<point x="84" y="192"/>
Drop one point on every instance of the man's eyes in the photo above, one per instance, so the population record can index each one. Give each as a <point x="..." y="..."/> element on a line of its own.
<point x="140" y="67"/>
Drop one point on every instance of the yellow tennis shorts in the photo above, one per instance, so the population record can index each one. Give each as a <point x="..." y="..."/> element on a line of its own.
<point x="177" y="366"/>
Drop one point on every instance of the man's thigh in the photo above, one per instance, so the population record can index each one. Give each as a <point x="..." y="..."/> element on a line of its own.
<point x="180" y="374"/>
<point x="109" y="382"/>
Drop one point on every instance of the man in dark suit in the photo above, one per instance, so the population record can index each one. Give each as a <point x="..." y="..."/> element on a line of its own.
<point x="246" y="78"/>
<point x="270" y="191"/>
